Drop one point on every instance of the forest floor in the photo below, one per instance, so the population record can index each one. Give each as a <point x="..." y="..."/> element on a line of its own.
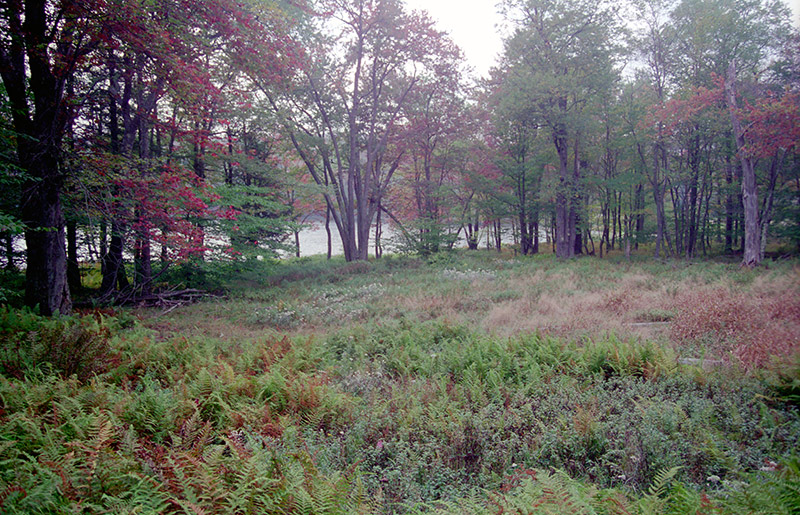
<point x="473" y="382"/>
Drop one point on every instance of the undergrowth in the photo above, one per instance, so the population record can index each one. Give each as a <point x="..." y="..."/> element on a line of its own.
<point x="356" y="405"/>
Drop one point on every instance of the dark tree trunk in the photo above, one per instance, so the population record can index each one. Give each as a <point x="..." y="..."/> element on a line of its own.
<point x="328" y="230"/>
<point x="639" y="215"/>
<point x="378" y="233"/>
<point x="73" y="272"/>
<point x="565" y="215"/>
<point x="113" y="267"/>
<point x="35" y="90"/>
<point x="578" y="246"/>
<point x="472" y="236"/>
<point x="103" y="246"/>
<point x="46" y="273"/>
<point x="8" y="241"/>
<point x="729" y="204"/>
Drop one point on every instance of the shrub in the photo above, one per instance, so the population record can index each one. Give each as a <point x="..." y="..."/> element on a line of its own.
<point x="69" y="345"/>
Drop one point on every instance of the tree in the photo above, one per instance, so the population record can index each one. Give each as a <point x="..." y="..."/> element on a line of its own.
<point x="344" y="114"/>
<point x="772" y="131"/>
<point x="655" y="42"/>
<point x="42" y="45"/>
<point x="514" y="136"/>
<point x="437" y="126"/>
<point x="561" y="54"/>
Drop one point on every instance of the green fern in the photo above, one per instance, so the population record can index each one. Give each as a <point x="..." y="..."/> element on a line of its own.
<point x="141" y="497"/>
<point x="657" y="499"/>
<point x="776" y="492"/>
<point x="556" y="494"/>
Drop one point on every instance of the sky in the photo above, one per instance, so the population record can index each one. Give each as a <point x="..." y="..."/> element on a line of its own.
<point x="473" y="26"/>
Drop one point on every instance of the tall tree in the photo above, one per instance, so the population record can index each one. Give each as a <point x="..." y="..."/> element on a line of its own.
<point x="561" y="54"/>
<point x="42" y="45"/>
<point x="344" y="115"/>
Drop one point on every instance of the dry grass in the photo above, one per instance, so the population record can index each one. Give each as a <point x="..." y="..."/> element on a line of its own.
<point x="702" y="310"/>
<point x="721" y="319"/>
<point x="750" y="327"/>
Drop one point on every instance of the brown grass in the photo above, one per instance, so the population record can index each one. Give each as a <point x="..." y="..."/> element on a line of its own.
<point x="750" y="327"/>
<point x="711" y="316"/>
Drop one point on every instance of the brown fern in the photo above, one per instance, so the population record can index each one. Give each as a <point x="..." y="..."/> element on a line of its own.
<point x="10" y="489"/>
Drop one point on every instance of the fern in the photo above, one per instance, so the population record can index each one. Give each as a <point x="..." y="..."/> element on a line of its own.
<point x="141" y="497"/>
<point x="776" y="492"/>
<point x="656" y="499"/>
<point x="556" y="494"/>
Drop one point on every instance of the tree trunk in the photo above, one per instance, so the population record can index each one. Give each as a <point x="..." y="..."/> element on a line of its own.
<point x="328" y="231"/>
<point x="8" y="240"/>
<point x="46" y="273"/>
<point x="639" y="215"/>
<point x="752" y="235"/>
<point x="766" y="208"/>
<point x="729" y="204"/>
<point x="565" y="215"/>
<point x="378" y="233"/>
<point x="113" y="267"/>
<point x="35" y="94"/>
<point x="73" y="272"/>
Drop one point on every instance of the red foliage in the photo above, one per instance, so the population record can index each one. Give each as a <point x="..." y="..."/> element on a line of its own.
<point x="774" y="124"/>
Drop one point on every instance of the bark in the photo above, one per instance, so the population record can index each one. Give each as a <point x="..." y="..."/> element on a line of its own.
<point x="328" y="231"/>
<point x="729" y="205"/>
<point x="35" y="89"/>
<point x="103" y="246"/>
<point x="8" y="241"/>
<point x="565" y="221"/>
<point x="766" y="209"/>
<point x="73" y="272"/>
<point x="378" y="232"/>
<point x="691" y="206"/>
<point x="639" y="215"/>
<point x="752" y="234"/>
<point x="114" y="276"/>
<point x="576" y="219"/>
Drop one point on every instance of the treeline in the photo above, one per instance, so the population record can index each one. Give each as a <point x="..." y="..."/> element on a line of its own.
<point x="149" y="133"/>
<point x="682" y="130"/>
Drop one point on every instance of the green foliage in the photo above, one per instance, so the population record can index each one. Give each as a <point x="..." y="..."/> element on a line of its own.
<point x="12" y="287"/>
<point x="776" y="491"/>
<point x="262" y="221"/>
<point x="381" y="411"/>
<point x="67" y="345"/>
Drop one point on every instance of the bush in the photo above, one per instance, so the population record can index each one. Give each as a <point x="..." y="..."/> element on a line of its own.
<point x="68" y="345"/>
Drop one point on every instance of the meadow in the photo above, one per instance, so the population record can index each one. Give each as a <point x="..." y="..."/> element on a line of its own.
<point x="472" y="382"/>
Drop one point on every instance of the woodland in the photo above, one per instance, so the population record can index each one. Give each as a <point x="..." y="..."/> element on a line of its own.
<point x="568" y="286"/>
<point x="157" y="133"/>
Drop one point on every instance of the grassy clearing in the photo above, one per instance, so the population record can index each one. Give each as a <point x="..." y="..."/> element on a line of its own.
<point x="477" y="383"/>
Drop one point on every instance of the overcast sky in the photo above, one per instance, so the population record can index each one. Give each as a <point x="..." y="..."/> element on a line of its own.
<point x="473" y="26"/>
